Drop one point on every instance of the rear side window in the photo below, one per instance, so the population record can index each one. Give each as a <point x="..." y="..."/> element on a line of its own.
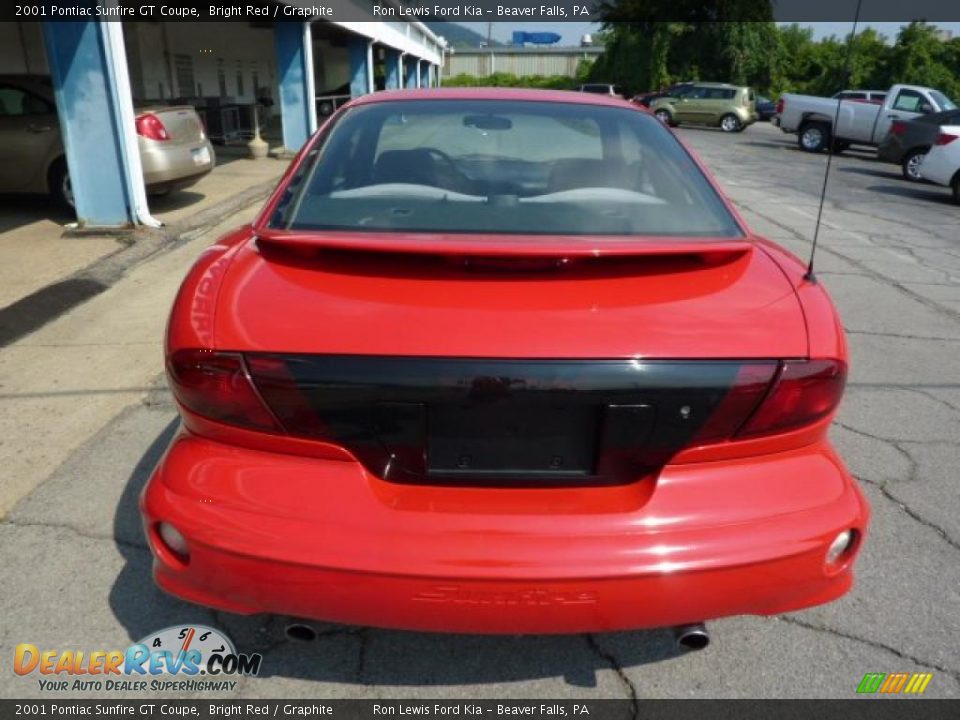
<point x="490" y="166"/>
<point x="720" y="93"/>
<point x="14" y="101"/>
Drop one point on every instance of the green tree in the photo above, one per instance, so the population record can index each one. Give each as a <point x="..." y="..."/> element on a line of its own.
<point x="919" y="57"/>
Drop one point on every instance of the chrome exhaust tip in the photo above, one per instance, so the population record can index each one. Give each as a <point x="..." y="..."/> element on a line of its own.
<point x="300" y="632"/>
<point x="691" y="637"/>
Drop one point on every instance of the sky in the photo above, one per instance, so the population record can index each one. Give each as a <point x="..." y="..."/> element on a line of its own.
<point x="571" y="32"/>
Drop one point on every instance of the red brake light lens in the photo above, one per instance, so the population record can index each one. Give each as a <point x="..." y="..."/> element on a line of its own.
<point x="803" y="392"/>
<point x="946" y="138"/>
<point x="151" y="127"/>
<point x="747" y="391"/>
<point x="780" y="105"/>
<point x="898" y="127"/>
<point x="217" y="386"/>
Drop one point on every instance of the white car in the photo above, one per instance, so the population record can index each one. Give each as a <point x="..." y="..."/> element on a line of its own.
<point x="942" y="164"/>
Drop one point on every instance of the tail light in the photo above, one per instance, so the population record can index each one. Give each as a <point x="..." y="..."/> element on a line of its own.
<point x="151" y="127"/>
<point x="217" y="386"/>
<point x="748" y="389"/>
<point x="260" y="392"/>
<point x="946" y="139"/>
<point x="780" y="105"/>
<point x="898" y="127"/>
<point x="803" y="392"/>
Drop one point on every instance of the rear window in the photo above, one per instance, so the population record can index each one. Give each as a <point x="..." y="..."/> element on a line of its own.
<point x="484" y="166"/>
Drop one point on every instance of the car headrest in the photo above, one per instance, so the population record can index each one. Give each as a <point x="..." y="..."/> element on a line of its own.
<point x="573" y="173"/>
<point x="406" y="166"/>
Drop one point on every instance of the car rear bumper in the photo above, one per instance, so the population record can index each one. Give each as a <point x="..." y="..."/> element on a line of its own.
<point x="939" y="167"/>
<point x="323" y="539"/>
<point x="167" y="165"/>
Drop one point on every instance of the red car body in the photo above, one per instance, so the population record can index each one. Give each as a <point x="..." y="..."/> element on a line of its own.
<point x="727" y="520"/>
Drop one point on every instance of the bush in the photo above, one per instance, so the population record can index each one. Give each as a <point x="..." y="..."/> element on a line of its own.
<point x="543" y="82"/>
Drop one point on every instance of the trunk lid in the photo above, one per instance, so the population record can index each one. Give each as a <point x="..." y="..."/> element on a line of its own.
<point x="181" y="122"/>
<point x="502" y="297"/>
<point x="509" y="362"/>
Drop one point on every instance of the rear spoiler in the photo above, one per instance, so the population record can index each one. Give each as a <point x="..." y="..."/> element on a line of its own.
<point x="501" y="246"/>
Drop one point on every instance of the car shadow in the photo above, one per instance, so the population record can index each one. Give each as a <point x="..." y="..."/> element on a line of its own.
<point x="354" y="655"/>
<point x="174" y="200"/>
<point x="928" y="192"/>
<point x="20" y="210"/>
<point x="892" y="174"/>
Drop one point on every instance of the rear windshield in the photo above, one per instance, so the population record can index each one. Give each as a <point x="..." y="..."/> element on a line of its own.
<point x="483" y="166"/>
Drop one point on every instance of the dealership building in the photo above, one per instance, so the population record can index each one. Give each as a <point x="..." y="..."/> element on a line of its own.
<point x="294" y="70"/>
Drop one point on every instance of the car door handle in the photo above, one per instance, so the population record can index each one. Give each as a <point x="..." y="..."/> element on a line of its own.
<point x="39" y="128"/>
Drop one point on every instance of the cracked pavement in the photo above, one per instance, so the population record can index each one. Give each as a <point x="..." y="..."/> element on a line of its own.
<point x="77" y="571"/>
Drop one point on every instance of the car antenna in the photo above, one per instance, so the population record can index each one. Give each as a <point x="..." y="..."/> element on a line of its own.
<point x="809" y="276"/>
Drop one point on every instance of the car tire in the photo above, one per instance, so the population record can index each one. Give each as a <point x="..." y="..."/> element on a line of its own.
<point x="813" y="137"/>
<point x="910" y="166"/>
<point x="955" y="186"/>
<point x="730" y="123"/>
<point x="58" y="181"/>
<point x="665" y="117"/>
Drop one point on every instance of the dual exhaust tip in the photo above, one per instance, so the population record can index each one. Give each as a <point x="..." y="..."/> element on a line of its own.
<point x="690" y="637"/>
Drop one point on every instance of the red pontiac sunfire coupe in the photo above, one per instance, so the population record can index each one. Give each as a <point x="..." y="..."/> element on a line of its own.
<point x="502" y="362"/>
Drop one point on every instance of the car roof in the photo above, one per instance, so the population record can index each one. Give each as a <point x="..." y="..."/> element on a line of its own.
<point x="491" y="93"/>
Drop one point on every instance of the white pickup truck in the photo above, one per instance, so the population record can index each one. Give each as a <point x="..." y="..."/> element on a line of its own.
<point x="811" y="118"/>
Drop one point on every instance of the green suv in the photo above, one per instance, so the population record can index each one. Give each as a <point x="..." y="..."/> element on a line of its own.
<point x="729" y="107"/>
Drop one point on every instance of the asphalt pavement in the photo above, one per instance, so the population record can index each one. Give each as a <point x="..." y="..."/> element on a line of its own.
<point x="77" y="570"/>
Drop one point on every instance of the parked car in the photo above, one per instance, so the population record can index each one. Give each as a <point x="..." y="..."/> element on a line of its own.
<point x="730" y="107"/>
<point x="600" y="89"/>
<point x="909" y="140"/>
<point x="875" y="97"/>
<point x="502" y="361"/>
<point x="811" y="118"/>
<point x="942" y="164"/>
<point x="174" y="149"/>
<point x="766" y="108"/>
<point x="675" y="90"/>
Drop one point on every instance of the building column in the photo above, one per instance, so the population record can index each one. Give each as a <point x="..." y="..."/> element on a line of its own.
<point x="410" y="66"/>
<point x="293" y="43"/>
<point x="394" y="69"/>
<point x="360" y="52"/>
<point x="96" y="117"/>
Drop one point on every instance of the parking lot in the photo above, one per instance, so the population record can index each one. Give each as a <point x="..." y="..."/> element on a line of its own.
<point x="78" y="570"/>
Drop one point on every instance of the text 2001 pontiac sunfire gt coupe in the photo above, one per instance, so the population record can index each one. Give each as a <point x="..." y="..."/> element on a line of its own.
<point x="502" y="362"/>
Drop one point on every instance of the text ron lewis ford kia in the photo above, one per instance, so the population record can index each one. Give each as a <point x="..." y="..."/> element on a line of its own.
<point x="505" y="362"/>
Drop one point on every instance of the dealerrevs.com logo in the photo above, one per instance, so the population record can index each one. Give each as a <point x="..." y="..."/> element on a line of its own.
<point x="173" y="659"/>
